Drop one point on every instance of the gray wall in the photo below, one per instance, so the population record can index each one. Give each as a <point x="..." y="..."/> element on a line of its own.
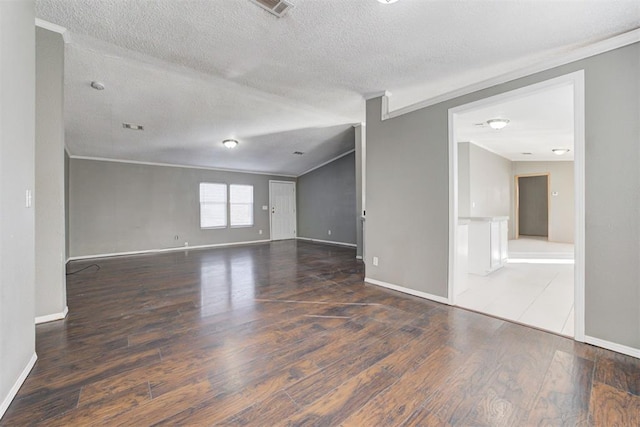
<point x="327" y="201"/>
<point x="562" y="206"/>
<point x="123" y="207"/>
<point x="407" y="192"/>
<point x="17" y="129"/>
<point x="51" y="296"/>
<point x="360" y="163"/>
<point x="67" y="160"/>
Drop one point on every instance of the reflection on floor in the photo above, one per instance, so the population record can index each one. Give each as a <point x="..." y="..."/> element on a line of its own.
<point x="530" y="289"/>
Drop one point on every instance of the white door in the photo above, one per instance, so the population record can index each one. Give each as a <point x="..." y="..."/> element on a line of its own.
<point x="282" y="197"/>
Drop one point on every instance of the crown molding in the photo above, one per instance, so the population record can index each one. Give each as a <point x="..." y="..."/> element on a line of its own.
<point x="135" y="162"/>
<point x="327" y="162"/>
<point x="597" y="48"/>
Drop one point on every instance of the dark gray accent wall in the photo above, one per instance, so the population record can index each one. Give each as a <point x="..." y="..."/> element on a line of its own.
<point x="124" y="207"/>
<point x="408" y="198"/>
<point x="327" y="201"/>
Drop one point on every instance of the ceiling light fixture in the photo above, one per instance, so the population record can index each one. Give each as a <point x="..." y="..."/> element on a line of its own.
<point x="497" y="124"/>
<point x="560" y="151"/>
<point x="230" y="143"/>
<point x="97" y="85"/>
<point x="387" y="1"/>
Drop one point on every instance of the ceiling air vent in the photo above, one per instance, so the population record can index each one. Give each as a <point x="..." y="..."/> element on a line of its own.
<point x="298" y="153"/>
<point x="276" y="7"/>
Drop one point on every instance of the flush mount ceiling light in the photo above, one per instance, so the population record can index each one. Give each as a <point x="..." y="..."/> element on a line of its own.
<point x="230" y="143"/>
<point x="560" y="151"/>
<point x="497" y="124"/>
<point x="387" y="1"/>
<point x="132" y="126"/>
<point x="97" y="85"/>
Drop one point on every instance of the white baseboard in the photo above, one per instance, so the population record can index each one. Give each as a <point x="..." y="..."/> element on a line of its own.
<point x="16" y="386"/>
<point x="329" y="242"/>
<point x="178" y="248"/>
<point x="52" y="317"/>
<point x="618" y="348"/>
<point x="409" y="291"/>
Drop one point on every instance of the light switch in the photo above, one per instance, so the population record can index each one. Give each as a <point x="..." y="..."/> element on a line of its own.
<point x="28" y="199"/>
<point x="265" y="207"/>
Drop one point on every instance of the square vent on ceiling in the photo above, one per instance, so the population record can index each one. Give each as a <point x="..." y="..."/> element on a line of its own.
<point x="276" y="7"/>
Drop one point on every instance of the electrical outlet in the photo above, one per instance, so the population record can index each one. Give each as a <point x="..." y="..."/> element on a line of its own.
<point x="186" y="244"/>
<point x="176" y="237"/>
<point x="259" y="231"/>
<point x="375" y="261"/>
<point x="329" y="232"/>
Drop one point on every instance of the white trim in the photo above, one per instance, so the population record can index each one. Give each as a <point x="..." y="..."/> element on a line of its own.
<point x="375" y="95"/>
<point x="329" y="242"/>
<point x="16" y="386"/>
<point x="576" y="79"/>
<point x="176" y="249"/>
<point x="576" y="55"/>
<point x="52" y="317"/>
<point x="619" y="348"/>
<point x="169" y="165"/>
<point x="409" y="291"/>
<point x="55" y="28"/>
<point x="327" y="162"/>
<point x="579" y="163"/>
<point x="295" y="209"/>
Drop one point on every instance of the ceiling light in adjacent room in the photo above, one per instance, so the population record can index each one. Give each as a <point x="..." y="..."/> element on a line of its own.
<point x="97" y="85"/>
<point x="230" y="143"/>
<point x="387" y="1"/>
<point x="560" y="151"/>
<point x="497" y="124"/>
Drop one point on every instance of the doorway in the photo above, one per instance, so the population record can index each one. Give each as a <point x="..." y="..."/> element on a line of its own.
<point x="282" y="215"/>
<point x="532" y="206"/>
<point x="462" y="216"/>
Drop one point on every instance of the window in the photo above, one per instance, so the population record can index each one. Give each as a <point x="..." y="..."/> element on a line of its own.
<point x="213" y="205"/>
<point x="241" y="205"/>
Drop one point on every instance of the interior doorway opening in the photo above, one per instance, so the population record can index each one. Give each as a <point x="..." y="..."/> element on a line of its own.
<point x="539" y="245"/>
<point x="532" y="206"/>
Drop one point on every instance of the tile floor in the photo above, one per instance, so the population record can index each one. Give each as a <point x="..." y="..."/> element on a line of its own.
<point x="531" y="289"/>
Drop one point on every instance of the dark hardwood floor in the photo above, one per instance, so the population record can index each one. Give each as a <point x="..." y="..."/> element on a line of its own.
<point x="287" y="333"/>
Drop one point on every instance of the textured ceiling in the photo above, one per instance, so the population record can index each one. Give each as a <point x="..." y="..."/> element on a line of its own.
<point x="538" y="123"/>
<point x="195" y="72"/>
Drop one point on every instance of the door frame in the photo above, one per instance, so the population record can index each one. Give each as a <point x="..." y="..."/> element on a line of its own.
<point x="516" y="220"/>
<point x="576" y="80"/>
<point x="295" y="210"/>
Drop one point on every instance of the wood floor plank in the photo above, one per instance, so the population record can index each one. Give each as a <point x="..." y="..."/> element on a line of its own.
<point x="612" y="407"/>
<point x="287" y="333"/>
<point x="565" y="393"/>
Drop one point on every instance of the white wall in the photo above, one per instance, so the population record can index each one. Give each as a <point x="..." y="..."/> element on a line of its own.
<point x="51" y="296"/>
<point x="17" y="128"/>
<point x="561" y="206"/>
<point x="484" y="182"/>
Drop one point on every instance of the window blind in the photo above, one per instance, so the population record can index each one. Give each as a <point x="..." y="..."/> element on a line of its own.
<point x="213" y="205"/>
<point x="241" y="205"/>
